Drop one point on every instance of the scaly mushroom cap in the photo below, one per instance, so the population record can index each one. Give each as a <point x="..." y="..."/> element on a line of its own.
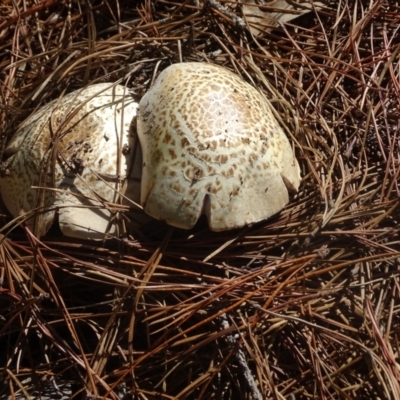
<point x="72" y="157"/>
<point x="211" y="145"/>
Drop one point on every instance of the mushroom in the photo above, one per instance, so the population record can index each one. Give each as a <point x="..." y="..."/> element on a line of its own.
<point x="211" y="145"/>
<point x="72" y="158"/>
<point x="209" y="141"/>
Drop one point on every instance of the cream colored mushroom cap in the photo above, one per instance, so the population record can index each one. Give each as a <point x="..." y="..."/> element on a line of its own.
<point x="78" y="151"/>
<point x="211" y="145"/>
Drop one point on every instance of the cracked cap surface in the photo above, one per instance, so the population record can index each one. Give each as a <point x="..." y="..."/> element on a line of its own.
<point x="211" y="145"/>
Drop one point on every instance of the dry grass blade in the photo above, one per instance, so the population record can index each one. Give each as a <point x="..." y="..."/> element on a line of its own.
<point x="304" y="305"/>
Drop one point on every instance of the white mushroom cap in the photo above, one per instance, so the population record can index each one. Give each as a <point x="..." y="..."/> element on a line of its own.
<point x="211" y="145"/>
<point x="78" y="148"/>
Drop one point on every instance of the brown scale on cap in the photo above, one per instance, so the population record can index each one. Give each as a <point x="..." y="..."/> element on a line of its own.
<point x="230" y="158"/>
<point x="78" y="146"/>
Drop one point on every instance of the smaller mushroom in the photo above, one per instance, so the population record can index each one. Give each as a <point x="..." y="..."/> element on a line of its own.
<point x="72" y="158"/>
<point x="212" y="146"/>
